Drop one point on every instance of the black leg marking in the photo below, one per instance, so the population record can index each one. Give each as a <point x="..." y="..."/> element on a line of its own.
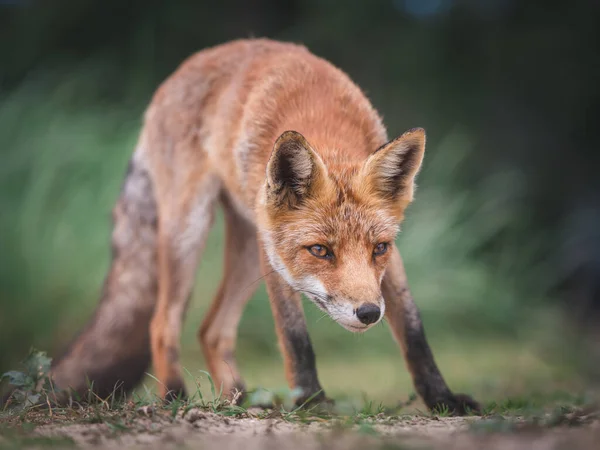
<point x="406" y="325"/>
<point x="305" y="369"/>
<point x="428" y="379"/>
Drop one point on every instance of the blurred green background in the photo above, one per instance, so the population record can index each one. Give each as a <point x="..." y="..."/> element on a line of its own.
<point x="502" y="245"/>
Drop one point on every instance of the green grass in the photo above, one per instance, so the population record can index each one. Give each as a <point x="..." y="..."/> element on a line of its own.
<point x="478" y="368"/>
<point x="548" y="409"/>
<point x="145" y="413"/>
<point x="36" y="392"/>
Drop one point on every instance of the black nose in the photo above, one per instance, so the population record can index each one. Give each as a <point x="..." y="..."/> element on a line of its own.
<point x="368" y="313"/>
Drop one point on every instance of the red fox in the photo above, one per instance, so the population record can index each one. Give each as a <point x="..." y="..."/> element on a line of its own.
<point x="313" y="193"/>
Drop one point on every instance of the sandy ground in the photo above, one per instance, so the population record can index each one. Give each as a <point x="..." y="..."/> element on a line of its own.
<point x="206" y="430"/>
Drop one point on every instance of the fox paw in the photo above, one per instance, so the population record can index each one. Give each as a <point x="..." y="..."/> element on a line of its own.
<point x="175" y="391"/>
<point x="319" y="400"/>
<point x="457" y="405"/>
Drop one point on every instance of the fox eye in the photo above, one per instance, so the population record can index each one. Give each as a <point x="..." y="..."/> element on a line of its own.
<point x="380" y="248"/>
<point x="320" y="251"/>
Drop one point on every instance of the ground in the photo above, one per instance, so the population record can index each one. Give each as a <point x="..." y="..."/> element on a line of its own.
<point x="219" y="425"/>
<point x="528" y="403"/>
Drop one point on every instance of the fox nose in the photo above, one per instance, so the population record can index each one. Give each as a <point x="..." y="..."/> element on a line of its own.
<point x="368" y="313"/>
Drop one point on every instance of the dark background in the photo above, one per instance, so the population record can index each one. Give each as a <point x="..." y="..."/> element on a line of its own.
<point x="502" y="244"/>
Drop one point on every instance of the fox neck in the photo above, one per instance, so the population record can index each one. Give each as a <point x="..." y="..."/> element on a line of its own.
<point x="274" y="260"/>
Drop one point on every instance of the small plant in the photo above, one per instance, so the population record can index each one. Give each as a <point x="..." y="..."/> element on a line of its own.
<point x="275" y="398"/>
<point x="441" y="411"/>
<point x="31" y="384"/>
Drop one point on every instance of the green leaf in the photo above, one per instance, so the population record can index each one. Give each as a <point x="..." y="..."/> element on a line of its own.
<point x="37" y="363"/>
<point x="32" y="399"/>
<point x="15" y="378"/>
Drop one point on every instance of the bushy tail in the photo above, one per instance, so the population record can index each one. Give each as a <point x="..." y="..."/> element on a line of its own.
<point x="112" y="352"/>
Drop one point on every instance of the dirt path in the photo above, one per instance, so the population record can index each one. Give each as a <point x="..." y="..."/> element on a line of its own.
<point x="206" y="430"/>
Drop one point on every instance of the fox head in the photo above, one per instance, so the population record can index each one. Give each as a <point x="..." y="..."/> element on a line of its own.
<point x="329" y="231"/>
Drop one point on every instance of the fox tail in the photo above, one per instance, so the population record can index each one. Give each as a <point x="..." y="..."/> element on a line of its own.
<point x="112" y="352"/>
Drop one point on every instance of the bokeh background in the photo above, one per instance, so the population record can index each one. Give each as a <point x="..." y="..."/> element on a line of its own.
<point x="502" y="245"/>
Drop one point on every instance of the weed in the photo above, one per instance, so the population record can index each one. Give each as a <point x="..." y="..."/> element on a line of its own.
<point x="31" y="385"/>
<point x="441" y="411"/>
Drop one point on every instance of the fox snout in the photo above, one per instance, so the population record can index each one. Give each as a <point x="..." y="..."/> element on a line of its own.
<point x="354" y="316"/>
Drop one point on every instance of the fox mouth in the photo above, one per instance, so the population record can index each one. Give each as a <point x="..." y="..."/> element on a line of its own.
<point x="335" y="315"/>
<point x="354" y="328"/>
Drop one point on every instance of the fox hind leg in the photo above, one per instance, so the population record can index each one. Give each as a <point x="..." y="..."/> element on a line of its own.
<point x="186" y="215"/>
<point x="241" y="277"/>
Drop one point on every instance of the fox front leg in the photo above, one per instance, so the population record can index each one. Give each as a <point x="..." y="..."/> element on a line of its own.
<point x="405" y="322"/>
<point x="294" y="342"/>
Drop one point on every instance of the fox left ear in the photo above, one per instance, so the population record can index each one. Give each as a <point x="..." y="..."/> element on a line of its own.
<point x="392" y="169"/>
<point x="294" y="170"/>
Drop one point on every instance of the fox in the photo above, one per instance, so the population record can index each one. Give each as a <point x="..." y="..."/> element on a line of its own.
<point x="313" y="193"/>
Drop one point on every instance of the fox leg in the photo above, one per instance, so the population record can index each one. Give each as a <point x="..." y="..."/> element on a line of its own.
<point x="185" y="217"/>
<point x="294" y="342"/>
<point x="241" y="276"/>
<point x="406" y="326"/>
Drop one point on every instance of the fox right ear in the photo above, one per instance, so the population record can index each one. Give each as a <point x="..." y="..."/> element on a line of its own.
<point x="293" y="170"/>
<point x="390" y="172"/>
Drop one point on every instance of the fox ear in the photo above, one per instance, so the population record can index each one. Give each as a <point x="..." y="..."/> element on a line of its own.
<point x="294" y="169"/>
<point x="391" y="170"/>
